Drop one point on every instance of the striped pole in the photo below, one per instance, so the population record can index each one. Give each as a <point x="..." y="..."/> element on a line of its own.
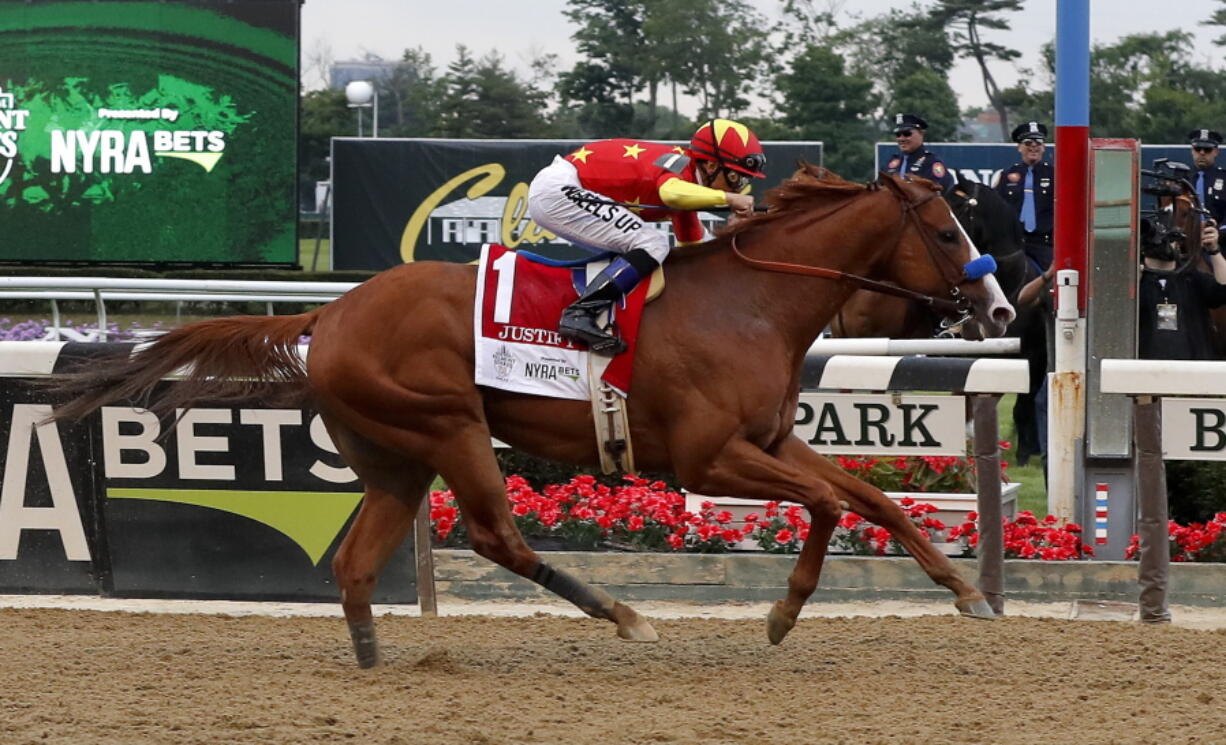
<point x="1066" y="386"/>
<point x="1072" y="138"/>
<point x="1102" y="498"/>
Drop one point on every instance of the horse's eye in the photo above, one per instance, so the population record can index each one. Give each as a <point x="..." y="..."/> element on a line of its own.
<point x="949" y="236"/>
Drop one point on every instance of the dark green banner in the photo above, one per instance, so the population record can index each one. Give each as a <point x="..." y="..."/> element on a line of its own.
<point x="149" y="131"/>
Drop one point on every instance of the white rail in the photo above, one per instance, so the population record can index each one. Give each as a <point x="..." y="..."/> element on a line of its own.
<point x="904" y="347"/>
<point x="101" y="289"/>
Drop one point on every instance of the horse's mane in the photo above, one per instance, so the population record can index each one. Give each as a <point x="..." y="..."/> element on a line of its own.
<point x="810" y="184"/>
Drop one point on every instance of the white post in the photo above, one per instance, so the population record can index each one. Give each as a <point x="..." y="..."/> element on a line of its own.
<point x="1066" y="401"/>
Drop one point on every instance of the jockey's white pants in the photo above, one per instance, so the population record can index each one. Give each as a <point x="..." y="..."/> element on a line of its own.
<point x="558" y="203"/>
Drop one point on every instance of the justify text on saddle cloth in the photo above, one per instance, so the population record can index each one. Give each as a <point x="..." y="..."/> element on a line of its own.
<point x="515" y="321"/>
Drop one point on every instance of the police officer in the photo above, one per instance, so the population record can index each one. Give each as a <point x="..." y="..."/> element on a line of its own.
<point x="1030" y="188"/>
<point x="1209" y="179"/>
<point x="913" y="159"/>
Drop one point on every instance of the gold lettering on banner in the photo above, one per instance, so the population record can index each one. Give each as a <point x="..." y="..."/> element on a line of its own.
<point x="488" y="175"/>
<point x="516" y="211"/>
<point x="485" y="178"/>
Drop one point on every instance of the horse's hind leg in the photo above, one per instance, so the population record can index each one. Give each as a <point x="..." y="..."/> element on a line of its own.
<point x="471" y="471"/>
<point x="395" y="486"/>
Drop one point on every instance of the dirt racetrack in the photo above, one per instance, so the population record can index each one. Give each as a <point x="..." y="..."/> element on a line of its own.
<point x="86" y="677"/>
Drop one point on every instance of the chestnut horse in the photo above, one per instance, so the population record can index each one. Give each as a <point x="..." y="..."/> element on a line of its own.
<point x="714" y="397"/>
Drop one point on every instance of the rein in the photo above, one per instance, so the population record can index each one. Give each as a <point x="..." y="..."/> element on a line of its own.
<point x="958" y="305"/>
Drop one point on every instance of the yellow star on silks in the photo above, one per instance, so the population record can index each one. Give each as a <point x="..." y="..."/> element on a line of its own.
<point x="635" y="210"/>
<point x="632" y="151"/>
<point x="581" y="154"/>
<point x="678" y="149"/>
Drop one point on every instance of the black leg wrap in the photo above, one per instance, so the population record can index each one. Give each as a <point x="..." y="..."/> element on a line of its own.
<point x="596" y="603"/>
<point x="365" y="645"/>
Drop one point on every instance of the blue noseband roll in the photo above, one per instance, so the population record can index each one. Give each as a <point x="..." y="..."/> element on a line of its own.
<point x="979" y="268"/>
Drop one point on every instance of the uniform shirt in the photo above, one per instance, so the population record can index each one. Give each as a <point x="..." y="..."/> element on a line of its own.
<point x="638" y="172"/>
<point x="1215" y="191"/>
<point x="1193" y="293"/>
<point x="925" y="164"/>
<point x="1012" y="187"/>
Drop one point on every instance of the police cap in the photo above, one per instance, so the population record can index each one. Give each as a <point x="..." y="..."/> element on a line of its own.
<point x="1029" y="131"/>
<point x="908" y="121"/>
<point x="1205" y="137"/>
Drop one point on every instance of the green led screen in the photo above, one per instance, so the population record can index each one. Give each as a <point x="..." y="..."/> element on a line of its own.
<point x="148" y="131"/>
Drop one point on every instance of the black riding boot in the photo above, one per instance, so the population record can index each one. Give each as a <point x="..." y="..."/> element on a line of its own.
<point x="579" y="320"/>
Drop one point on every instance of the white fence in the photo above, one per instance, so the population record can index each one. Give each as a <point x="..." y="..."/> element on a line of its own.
<point x="101" y="289"/>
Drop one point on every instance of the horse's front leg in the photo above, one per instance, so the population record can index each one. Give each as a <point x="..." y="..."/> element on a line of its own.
<point x="744" y="470"/>
<point x="873" y="505"/>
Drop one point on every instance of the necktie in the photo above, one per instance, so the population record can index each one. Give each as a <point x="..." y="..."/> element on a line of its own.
<point x="1028" y="201"/>
<point x="902" y="169"/>
<point x="1200" y="186"/>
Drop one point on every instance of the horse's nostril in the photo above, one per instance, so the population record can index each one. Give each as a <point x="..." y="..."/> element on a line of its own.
<point x="1003" y="314"/>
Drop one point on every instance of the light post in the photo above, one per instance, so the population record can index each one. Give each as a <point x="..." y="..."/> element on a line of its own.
<point x="361" y="94"/>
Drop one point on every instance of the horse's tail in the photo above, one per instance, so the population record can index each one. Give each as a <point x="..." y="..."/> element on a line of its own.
<point x="223" y="359"/>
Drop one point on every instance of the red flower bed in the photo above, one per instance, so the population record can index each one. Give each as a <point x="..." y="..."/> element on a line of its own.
<point x="647" y="515"/>
<point x="1193" y="542"/>
<point x="1027" y="537"/>
<point x="584" y="513"/>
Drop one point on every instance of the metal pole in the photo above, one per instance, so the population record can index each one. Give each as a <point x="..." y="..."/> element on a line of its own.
<point x="1066" y="402"/>
<point x="374" y="125"/>
<point x="991" y="534"/>
<point x="319" y="227"/>
<point x="1152" y="528"/>
<point x="1066" y="386"/>
<point x="55" y="318"/>
<point x="100" y="306"/>
<point x="427" y="599"/>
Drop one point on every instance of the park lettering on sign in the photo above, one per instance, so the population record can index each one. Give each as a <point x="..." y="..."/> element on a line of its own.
<point x="868" y="424"/>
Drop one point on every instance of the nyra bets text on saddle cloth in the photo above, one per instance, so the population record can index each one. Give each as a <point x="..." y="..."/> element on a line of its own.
<point x="515" y="323"/>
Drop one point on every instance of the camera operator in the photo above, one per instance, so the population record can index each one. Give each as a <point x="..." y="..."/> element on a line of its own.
<point x="1174" y="305"/>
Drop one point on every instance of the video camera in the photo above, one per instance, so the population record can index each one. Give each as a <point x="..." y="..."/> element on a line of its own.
<point x="1160" y="238"/>
<point x="1171" y="178"/>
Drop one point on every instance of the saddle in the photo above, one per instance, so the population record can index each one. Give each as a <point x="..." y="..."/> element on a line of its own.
<point x="655" y="285"/>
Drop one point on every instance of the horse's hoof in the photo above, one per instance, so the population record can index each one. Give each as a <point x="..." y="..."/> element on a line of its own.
<point x="976" y="609"/>
<point x="778" y="624"/>
<point x="365" y="645"/>
<point x="638" y="630"/>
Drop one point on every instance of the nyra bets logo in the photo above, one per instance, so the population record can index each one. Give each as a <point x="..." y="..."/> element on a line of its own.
<point x="12" y="124"/>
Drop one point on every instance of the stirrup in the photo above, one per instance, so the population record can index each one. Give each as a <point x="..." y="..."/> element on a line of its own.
<point x="584" y="330"/>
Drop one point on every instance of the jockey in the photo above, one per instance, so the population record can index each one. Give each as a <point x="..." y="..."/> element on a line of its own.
<point x="575" y="198"/>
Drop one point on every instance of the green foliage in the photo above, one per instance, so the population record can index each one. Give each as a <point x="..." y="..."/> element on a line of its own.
<point x="964" y="22"/>
<point x="482" y="99"/>
<point x="927" y="92"/>
<point x="822" y="102"/>
<point x="1195" y="490"/>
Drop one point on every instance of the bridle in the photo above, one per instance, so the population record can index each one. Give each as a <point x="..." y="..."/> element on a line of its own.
<point x="953" y="274"/>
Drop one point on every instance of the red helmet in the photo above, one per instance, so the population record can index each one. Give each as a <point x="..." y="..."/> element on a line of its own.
<point x="731" y="145"/>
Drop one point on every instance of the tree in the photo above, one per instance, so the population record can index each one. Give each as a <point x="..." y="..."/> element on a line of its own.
<point x="1217" y="19"/>
<point x="822" y="102"/>
<point x="602" y="86"/>
<point x="928" y="92"/>
<point x="483" y="99"/>
<point x="715" y="51"/>
<point x="890" y="49"/>
<point x="966" y="20"/>
<point x="324" y="114"/>
<point x="409" y="98"/>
